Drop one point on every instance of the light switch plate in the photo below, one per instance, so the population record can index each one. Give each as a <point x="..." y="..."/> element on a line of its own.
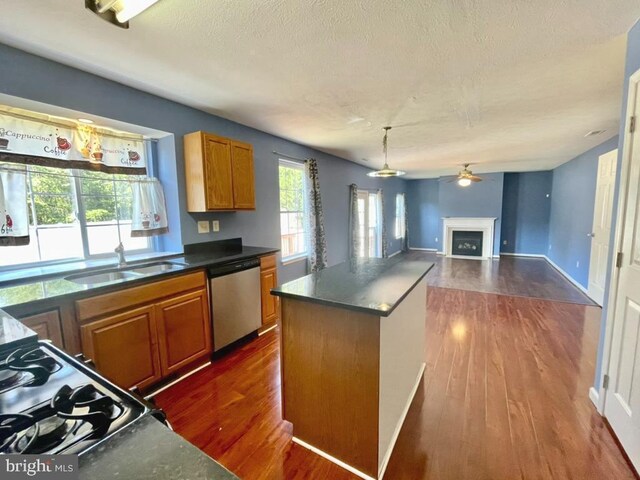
<point x="216" y="225"/>
<point x="203" y="227"/>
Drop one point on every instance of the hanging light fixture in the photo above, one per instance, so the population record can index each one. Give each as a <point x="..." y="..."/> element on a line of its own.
<point x="118" y="12"/>
<point x="386" y="172"/>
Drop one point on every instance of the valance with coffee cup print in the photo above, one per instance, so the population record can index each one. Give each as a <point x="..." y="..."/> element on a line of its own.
<point x="37" y="139"/>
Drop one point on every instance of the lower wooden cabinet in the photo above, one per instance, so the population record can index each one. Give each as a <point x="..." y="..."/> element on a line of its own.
<point x="184" y="330"/>
<point x="124" y="347"/>
<point x="140" y="335"/>
<point x="269" y="280"/>
<point x="47" y="325"/>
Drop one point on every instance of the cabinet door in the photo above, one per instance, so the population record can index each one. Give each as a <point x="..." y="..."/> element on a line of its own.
<point x="269" y="280"/>
<point x="243" y="177"/>
<point x="124" y="347"/>
<point x="218" y="184"/>
<point x="184" y="330"/>
<point x="47" y="325"/>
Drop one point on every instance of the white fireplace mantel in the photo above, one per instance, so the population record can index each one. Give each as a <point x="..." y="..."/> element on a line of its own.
<point x="486" y="225"/>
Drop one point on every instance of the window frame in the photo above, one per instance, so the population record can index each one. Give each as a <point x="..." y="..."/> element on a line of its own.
<point x="76" y="195"/>
<point x="399" y="224"/>
<point x="364" y="194"/>
<point x="305" y="209"/>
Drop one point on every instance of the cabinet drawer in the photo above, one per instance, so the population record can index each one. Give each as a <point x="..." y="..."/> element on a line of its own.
<point x="111" y="302"/>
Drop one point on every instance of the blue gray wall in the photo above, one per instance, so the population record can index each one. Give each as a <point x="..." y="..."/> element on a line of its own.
<point x="424" y="214"/>
<point x="632" y="65"/>
<point x="42" y="80"/>
<point x="572" y="204"/>
<point x="430" y="200"/>
<point x="526" y="206"/>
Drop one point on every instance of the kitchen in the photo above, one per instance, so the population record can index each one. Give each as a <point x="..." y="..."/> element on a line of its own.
<point x="212" y="266"/>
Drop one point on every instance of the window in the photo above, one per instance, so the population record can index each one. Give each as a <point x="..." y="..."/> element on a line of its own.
<point x="400" y="227"/>
<point x="369" y="224"/>
<point x="292" y="210"/>
<point x="75" y="215"/>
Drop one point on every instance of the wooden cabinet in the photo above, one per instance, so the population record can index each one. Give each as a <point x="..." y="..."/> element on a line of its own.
<point x="124" y="347"/>
<point x="139" y="335"/>
<point x="269" y="280"/>
<point x="184" y="330"/>
<point x="47" y="325"/>
<point x="219" y="173"/>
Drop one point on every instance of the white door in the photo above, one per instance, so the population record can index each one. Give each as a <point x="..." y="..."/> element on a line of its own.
<point x="601" y="231"/>
<point x="622" y="400"/>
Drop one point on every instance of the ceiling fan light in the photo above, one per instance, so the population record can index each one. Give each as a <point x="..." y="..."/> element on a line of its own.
<point x="464" y="182"/>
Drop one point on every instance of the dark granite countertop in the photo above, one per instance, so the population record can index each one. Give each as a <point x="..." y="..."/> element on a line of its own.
<point x="18" y="292"/>
<point x="148" y="449"/>
<point x="376" y="286"/>
<point x="13" y="333"/>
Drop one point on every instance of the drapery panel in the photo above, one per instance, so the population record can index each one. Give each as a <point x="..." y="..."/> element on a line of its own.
<point x="149" y="215"/>
<point x="14" y="215"/>
<point x="315" y="218"/>
<point x="405" y="236"/>
<point x="354" y="237"/>
<point x="383" y="226"/>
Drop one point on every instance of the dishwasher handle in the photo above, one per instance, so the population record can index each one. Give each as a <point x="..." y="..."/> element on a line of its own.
<point x="229" y="268"/>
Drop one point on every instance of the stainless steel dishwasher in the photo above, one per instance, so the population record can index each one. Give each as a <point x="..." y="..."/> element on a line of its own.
<point x="235" y="301"/>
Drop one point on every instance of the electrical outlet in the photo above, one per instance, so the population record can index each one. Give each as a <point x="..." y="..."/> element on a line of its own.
<point x="436" y="239"/>
<point x="216" y="225"/>
<point x="203" y="227"/>
<point x="504" y="242"/>
<point x="578" y="264"/>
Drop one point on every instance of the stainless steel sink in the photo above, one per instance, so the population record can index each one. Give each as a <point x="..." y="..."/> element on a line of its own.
<point x="153" y="268"/>
<point x="103" y="277"/>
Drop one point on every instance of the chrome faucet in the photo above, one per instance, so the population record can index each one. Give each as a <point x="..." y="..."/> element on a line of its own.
<point x="122" y="261"/>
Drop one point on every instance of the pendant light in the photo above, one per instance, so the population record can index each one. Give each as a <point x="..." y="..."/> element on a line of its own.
<point x="386" y="172"/>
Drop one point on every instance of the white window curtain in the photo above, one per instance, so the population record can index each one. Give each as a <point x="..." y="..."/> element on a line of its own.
<point x="149" y="216"/>
<point x="14" y="221"/>
<point x="382" y="223"/>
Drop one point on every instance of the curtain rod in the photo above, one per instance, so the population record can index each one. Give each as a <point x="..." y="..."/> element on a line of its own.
<point x="290" y="156"/>
<point x="101" y="130"/>
<point x="24" y="171"/>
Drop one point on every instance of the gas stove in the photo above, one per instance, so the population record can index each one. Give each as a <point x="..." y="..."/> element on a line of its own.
<point x="51" y="402"/>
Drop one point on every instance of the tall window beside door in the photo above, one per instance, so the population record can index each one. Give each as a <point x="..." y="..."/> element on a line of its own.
<point x="293" y="207"/>
<point x="400" y="226"/>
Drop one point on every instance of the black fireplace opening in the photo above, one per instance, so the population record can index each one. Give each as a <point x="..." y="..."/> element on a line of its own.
<point x="466" y="243"/>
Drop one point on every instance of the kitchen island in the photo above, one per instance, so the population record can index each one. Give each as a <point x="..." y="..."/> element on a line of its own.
<point x="352" y="357"/>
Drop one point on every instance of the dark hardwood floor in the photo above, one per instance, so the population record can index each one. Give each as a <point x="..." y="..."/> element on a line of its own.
<point x="519" y="276"/>
<point x="504" y="396"/>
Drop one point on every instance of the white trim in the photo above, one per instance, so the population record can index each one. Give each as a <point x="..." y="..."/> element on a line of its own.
<point x="424" y="249"/>
<point x="403" y="416"/>
<point x="609" y="317"/>
<point x="594" y="397"/>
<point x="331" y="459"/>
<point x="395" y="253"/>
<point x="534" y="255"/>
<point x="484" y="224"/>
<point x="171" y="384"/>
<point x="569" y="277"/>
<point x="294" y="258"/>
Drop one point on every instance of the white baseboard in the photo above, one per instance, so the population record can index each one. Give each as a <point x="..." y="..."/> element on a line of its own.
<point x="534" y="255"/>
<point x="403" y="416"/>
<point x="568" y="277"/>
<point x="395" y="253"/>
<point x="332" y="459"/>
<point x="594" y="396"/>
<point x="424" y="249"/>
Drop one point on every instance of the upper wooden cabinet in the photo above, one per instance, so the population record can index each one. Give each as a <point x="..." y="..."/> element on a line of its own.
<point x="219" y="173"/>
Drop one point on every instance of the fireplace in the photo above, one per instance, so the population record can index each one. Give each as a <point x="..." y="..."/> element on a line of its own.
<point x="468" y="243"/>
<point x="473" y="231"/>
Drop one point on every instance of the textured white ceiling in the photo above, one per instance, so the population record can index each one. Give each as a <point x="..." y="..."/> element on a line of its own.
<point x="504" y="84"/>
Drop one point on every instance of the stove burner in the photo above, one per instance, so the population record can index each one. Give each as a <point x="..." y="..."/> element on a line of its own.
<point x="69" y="418"/>
<point x="9" y="378"/>
<point x="31" y="360"/>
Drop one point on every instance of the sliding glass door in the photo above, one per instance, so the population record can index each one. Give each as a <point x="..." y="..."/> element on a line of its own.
<point x="369" y="224"/>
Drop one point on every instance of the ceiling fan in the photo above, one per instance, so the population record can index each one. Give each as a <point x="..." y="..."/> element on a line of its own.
<point x="465" y="177"/>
